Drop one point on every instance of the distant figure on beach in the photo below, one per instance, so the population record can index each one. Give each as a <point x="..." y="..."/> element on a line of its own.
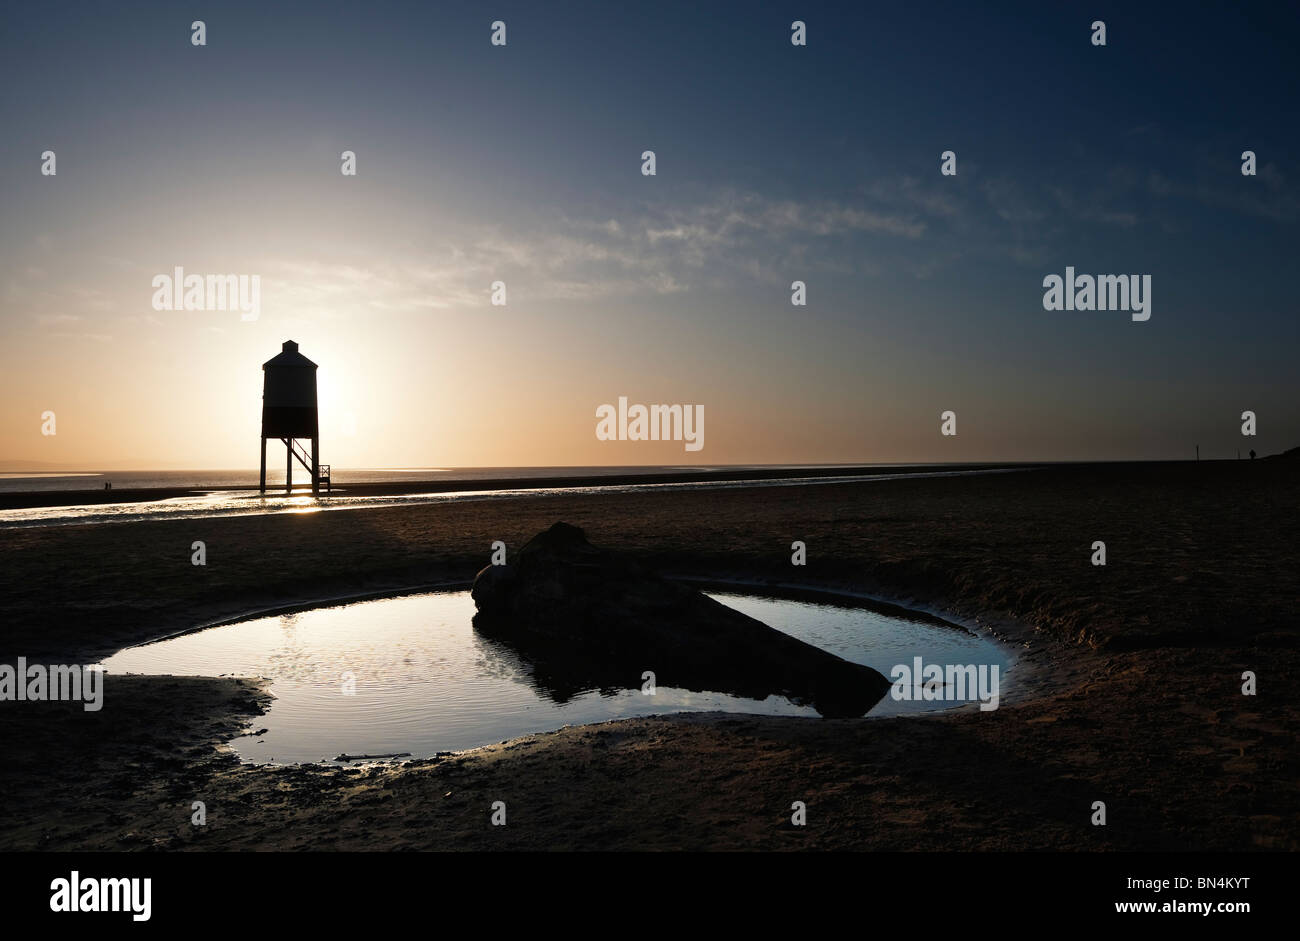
<point x="108" y="485"/>
<point x="1252" y="454"/>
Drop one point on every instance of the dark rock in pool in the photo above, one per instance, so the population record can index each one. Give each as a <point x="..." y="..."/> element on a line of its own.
<point x="560" y="597"/>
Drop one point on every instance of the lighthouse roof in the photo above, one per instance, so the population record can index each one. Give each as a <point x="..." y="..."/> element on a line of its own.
<point x="289" y="356"/>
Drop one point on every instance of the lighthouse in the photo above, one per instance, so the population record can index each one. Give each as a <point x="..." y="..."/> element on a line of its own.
<point x="289" y="414"/>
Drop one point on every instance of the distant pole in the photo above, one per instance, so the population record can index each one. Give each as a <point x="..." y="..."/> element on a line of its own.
<point x="288" y="464"/>
<point x="1198" y="452"/>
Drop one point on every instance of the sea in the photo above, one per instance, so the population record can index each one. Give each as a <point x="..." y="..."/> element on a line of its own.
<point x="18" y="481"/>
<point x="235" y="493"/>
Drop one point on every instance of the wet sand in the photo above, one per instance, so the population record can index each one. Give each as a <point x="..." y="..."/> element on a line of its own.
<point x="1127" y="690"/>
<point x="26" y="499"/>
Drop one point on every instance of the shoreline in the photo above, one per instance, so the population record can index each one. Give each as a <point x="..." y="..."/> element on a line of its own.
<point x="37" y="499"/>
<point x="1127" y="690"/>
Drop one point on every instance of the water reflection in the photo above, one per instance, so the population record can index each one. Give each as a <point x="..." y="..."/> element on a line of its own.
<point x="424" y="680"/>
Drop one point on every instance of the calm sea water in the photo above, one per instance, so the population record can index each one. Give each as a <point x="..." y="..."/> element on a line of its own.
<point x="425" y="681"/>
<point x="205" y="502"/>
<point x="14" y="482"/>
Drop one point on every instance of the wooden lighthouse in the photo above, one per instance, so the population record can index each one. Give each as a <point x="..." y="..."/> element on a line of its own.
<point x="289" y="414"/>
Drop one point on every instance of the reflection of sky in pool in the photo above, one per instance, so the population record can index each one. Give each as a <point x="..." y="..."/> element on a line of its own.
<point x="426" y="682"/>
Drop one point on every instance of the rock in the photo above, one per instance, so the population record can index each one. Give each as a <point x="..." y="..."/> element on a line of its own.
<point x="562" y="600"/>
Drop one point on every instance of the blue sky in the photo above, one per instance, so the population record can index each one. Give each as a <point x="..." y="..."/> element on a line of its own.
<point x="775" y="163"/>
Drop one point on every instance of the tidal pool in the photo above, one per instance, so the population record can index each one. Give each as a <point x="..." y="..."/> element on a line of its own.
<point x="412" y="675"/>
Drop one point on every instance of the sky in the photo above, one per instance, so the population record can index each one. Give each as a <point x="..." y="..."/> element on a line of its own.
<point x="522" y="164"/>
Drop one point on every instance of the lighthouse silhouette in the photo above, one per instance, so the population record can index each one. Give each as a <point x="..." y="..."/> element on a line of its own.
<point x="289" y="414"/>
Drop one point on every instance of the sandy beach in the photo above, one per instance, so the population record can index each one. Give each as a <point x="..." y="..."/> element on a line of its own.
<point x="1127" y="687"/>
